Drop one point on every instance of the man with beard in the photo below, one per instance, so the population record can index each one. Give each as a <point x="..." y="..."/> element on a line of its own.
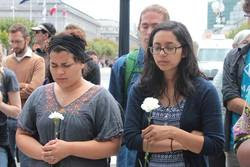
<point x="29" y="69"/>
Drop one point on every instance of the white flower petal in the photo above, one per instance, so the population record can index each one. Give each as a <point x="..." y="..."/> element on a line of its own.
<point x="56" y="115"/>
<point x="150" y="104"/>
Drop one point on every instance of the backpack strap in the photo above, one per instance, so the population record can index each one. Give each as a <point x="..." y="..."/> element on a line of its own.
<point x="130" y="67"/>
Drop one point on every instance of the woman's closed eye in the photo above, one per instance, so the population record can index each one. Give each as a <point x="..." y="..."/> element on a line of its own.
<point x="63" y="65"/>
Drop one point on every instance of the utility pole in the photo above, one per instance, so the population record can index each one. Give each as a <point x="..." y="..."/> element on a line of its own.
<point x="124" y="27"/>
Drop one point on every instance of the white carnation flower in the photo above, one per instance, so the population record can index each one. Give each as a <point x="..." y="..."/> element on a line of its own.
<point x="150" y="104"/>
<point x="56" y="115"/>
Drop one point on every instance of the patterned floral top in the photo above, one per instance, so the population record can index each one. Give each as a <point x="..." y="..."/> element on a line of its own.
<point x="168" y="116"/>
<point x="95" y="115"/>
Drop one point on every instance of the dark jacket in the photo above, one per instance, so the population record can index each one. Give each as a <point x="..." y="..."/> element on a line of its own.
<point x="202" y="112"/>
<point x="232" y="75"/>
<point x="93" y="73"/>
<point x="117" y="78"/>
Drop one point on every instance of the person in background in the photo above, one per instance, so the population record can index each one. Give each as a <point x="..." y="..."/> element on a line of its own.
<point x="43" y="33"/>
<point x="242" y="142"/>
<point x="241" y="39"/>
<point x="92" y="71"/>
<point x="91" y="128"/>
<point x="187" y="125"/>
<point x="119" y="86"/>
<point x="236" y="83"/>
<point x="10" y="106"/>
<point x="29" y="69"/>
<point x="72" y="28"/>
<point x="94" y="57"/>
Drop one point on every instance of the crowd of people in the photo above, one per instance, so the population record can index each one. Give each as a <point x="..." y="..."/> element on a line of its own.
<point x="53" y="111"/>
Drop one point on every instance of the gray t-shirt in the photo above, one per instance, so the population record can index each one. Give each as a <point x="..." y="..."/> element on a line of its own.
<point x="95" y="115"/>
<point x="8" y="83"/>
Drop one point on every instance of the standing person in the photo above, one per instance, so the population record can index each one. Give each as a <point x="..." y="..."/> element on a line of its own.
<point x="121" y="79"/>
<point x="10" y="106"/>
<point x="28" y="67"/>
<point x="241" y="38"/>
<point x="187" y="126"/>
<point x="236" y="83"/>
<point x="92" y="127"/>
<point x="43" y="33"/>
<point x="92" y="71"/>
<point x="94" y="56"/>
<point x="72" y="28"/>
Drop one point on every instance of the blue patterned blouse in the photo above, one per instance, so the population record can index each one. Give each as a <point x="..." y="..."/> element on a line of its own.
<point x="168" y="116"/>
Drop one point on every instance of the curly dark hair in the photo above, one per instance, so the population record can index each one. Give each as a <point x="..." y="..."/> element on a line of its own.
<point x="152" y="79"/>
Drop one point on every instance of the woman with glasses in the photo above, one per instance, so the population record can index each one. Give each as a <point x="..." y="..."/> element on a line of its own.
<point x="187" y="125"/>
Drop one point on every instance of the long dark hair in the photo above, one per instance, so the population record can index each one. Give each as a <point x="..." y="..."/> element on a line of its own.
<point x="153" y="78"/>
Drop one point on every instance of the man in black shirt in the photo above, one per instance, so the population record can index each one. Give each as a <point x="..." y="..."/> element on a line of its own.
<point x="92" y="71"/>
<point x="43" y="33"/>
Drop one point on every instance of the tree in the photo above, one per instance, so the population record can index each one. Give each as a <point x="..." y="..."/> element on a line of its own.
<point x="233" y="32"/>
<point x="5" y="25"/>
<point x="104" y="48"/>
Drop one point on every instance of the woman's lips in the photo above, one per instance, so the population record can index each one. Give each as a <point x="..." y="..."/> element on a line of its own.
<point x="163" y="62"/>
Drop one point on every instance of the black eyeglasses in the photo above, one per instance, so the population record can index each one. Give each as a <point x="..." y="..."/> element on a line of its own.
<point x="155" y="50"/>
<point x="38" y="32"/>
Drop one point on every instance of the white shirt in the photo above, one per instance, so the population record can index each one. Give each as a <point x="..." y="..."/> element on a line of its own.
<point x="28" y="53"/>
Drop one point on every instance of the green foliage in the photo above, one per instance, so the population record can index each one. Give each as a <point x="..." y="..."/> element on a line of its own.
<point x="5" y="24"/>
<point x="104" y="48"/>
<point x="233" y="32"/>
<point x="4" y="38"/>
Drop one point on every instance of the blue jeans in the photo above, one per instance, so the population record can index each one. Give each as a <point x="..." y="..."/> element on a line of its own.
<point x="24" y="159"/>
<point x="3" y="157"/>
<point x="126" y="157"/>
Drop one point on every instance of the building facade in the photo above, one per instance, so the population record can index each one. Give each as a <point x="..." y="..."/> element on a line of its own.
<point x="228" y="8"/>
<point x="110" y="30"/>
<point x="38" y="11"/>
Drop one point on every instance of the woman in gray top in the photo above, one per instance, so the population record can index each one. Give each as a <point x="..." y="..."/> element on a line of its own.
<point x="92" y="126"/>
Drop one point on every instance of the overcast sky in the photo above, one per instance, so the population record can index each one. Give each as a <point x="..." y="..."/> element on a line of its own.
<point x="190" y="12"/>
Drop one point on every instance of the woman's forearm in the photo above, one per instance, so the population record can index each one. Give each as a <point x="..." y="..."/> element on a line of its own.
<point x="94" y="149"/>
<point x="28" y="145"/>
<point x="161" y="146"/>
<point x="10" y="110"/>
<point x="13" y="107"/>
<point x="191" y="142"/>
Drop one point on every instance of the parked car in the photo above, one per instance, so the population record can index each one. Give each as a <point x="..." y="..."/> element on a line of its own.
<point x="211" y="55"/>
